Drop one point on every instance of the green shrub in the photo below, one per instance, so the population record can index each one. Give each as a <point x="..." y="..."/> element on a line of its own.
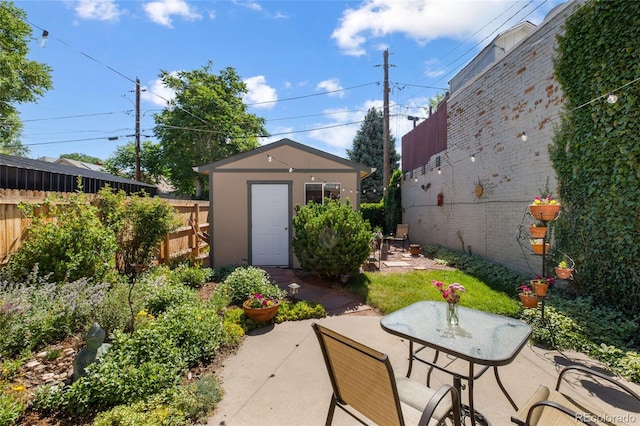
<point x="139" y="223"/>
<point x="191" y="276"/>
<point x="11" y="409"/>
<point x="166" y="294"/>
<point x="182" y="406"/>
<point x="194" y="328"/>
<point x="221" y="273"/>
<point x="38" y="312"/>
<point x="374" y="213"/>
<point x="299" y="311"/>
<point x="74" y="245"/>
<point x="136" y="366"/>
<point x="245" y="281"/>
<point x="331" y="239"/>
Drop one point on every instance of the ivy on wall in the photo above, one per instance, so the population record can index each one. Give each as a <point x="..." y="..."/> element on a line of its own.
<point x="596" y="150"/>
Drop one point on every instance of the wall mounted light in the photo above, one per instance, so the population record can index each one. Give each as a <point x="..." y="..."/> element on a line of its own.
<point x="313" y="178"/>
<point x="290" y="169"/>
<point x="415" y="179"/>
<point x="473" y="158"/>
<point x="227" y="140"/>
<point x="612" y="98"/>
<point x="439" y="171"/>
<point x="524" y="137"/>
<point x="269" y="158"/>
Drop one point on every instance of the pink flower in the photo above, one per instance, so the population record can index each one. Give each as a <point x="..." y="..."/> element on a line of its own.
<point x="451" y="293"/>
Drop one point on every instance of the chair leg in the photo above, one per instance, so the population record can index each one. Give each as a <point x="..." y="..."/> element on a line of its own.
<point x="332" y="409"/>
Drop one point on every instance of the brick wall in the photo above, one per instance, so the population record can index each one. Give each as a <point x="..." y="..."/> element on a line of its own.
<point x="486" y="117"/>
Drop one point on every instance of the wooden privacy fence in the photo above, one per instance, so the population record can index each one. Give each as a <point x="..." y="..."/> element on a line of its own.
<point x="187" y="240"/>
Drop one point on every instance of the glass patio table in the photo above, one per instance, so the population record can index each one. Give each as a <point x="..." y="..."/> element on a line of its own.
<point x="480" y="338"/>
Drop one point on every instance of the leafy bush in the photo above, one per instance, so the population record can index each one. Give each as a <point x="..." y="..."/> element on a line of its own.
<point x="140" y="224"/>
<point x="182" y="406"/>
<point x="374" y="213"/>
<point x="38" y="312"/>
<point x="245" y="281"/>
<point x="114" y="313"/>
<point x="192" y="276"/>
<point x="11" y="409"/>
<point x="72" y="246"/>
<point x="331" y="238"/>
<point x="166" y="294"/>
<point x="221" y="273"/>
<point x="195" y="329"/>
<point x="299" y="311"/>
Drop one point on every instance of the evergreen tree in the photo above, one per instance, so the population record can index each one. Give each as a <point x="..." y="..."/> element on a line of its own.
<point x="368" y="149"/>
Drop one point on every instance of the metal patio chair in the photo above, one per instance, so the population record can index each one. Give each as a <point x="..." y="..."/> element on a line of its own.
<point x="363" y="381"/>
<point x="552" y="407"/>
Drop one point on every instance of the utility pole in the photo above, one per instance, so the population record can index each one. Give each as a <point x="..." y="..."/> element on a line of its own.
<point x="138" y="177"/>
<point x="387" y="159"/>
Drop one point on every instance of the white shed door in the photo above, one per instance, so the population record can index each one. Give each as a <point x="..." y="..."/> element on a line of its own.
<point x="270" y="224"/>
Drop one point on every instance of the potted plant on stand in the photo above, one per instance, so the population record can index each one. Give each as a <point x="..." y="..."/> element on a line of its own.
<point x="544" y="208"/>
<point x="537" y="245"/>
<point x="563" y="271"/>
<point x="537" y="230"/>
<point x="541" y="285"/>
<point x="527" y="297"/>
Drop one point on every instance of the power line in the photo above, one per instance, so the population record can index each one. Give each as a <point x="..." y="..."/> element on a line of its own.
<point x="312" y="95"/>
<point x="77" y="116"/>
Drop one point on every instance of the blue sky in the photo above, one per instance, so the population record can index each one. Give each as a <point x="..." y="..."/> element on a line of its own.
<point x="313" y="68"/>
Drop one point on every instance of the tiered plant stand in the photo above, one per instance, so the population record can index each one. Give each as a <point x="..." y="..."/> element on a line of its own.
<point x="544" y="214"/>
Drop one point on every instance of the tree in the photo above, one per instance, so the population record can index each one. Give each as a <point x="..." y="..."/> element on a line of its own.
<point x="82" y="157"/>
<point x="368" y="149"/>
<point x="205" y="122"/>
<point x="21" y="80"/>
<point x="123" y="162"/>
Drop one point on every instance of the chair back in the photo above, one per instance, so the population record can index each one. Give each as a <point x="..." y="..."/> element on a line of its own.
<point x="361" y="377"/>
<point x="402" y="230"/>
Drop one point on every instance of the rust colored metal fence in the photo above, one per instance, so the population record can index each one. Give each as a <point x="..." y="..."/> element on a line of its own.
<point x="184" y="241"/>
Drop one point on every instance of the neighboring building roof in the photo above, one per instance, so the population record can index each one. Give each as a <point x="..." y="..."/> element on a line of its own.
<point x="492" y="53"/>
<point x="364" y="170"/>
<point x="80" y="164"/>
<point x="29" y="174"/>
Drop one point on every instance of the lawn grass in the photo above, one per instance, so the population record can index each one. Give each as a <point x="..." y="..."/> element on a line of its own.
<point x="390" y="292"/>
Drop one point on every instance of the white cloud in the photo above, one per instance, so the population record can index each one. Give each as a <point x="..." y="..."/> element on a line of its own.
<point x="162" y="11"/>
<point x="252" y="5"/>
<point x="260" y="91"/>
<point x="421" y="20"/>
<point x="158" y="93"/>
<point x="331" y="85"/>
<point x="99" y="10"/>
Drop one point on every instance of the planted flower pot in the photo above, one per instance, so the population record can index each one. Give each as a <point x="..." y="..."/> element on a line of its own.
<point x="414" y="249"/>
<point x="563" y="273"/>
<point x="537" y="248"/>
<point x="528" y="301"/>
<point x="539" y="288"/>
<point x="537" y="231"/>
<point x="261" y="314"/>
<point x="545" y="212"/>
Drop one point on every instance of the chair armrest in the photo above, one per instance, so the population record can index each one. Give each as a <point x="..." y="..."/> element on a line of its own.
<point x="435" y="400"/>
<point x="554" y="405"/>
<point x="589" y="371"/>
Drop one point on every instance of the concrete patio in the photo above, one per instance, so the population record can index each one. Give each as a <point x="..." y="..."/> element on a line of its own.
<point x="278" y="376"/>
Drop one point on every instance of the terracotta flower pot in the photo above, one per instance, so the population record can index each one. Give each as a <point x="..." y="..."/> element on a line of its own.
<point x="563" y="273"/>
<point x="545" y="212"/>
<point x="537" y="231"/>
<point x="261" y="314"/>
<point x="537" y="248"/>
<point x="414" y="249"/>
<point x="528" y="301"/>
<point x="540" y="289"/>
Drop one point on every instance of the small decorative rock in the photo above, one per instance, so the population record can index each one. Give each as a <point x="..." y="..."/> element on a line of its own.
<point x="94" y="350"/>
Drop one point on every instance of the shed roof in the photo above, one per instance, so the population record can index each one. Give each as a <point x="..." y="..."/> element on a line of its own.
<point x="264" y="149"/>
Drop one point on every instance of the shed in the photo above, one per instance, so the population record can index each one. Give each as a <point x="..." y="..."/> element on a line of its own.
<point x="253" y="196"/>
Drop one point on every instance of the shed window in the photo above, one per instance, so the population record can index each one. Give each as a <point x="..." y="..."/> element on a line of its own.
<point x="317" y="192"/>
